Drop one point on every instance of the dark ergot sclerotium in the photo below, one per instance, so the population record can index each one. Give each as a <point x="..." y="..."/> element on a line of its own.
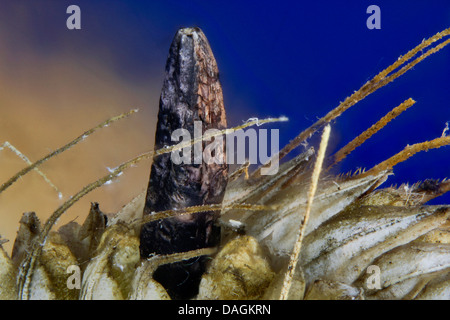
<point x="191" y="92"/>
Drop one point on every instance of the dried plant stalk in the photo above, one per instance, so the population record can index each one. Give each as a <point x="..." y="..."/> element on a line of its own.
<point x="158" y="260"/>
<point x="209" y="135"/>
<point x="27" y="161"/>
<point x="408" y="152"/>
<point x="359" y="140"/>
<point x="312" y="191"/>
<point x="24" y="171"/>
<point x="203" y="208"/>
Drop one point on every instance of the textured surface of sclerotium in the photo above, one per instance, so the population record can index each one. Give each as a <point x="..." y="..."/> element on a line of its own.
<point x="359" y="241"/>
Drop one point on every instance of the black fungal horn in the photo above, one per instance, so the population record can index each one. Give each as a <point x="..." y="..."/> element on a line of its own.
<point x="191" y="98"/>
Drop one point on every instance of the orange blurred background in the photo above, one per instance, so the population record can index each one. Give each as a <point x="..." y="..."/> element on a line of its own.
<point x="49" y="98"/>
